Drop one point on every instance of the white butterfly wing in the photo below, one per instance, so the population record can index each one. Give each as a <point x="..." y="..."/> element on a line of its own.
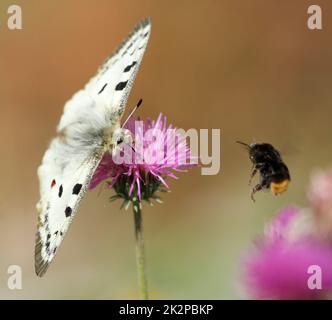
<point x="69" y="163"/>
<point x="114" y="80"/>
<point x="60" y="198"/>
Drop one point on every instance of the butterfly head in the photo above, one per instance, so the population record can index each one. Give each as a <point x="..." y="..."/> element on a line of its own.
<point x="121" y="136"/>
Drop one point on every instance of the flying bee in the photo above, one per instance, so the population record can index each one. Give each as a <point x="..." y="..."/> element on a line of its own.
<point x="266" y="160"/>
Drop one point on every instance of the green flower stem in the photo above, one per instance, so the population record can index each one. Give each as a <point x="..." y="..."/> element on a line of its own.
<point x="140" y="255"/>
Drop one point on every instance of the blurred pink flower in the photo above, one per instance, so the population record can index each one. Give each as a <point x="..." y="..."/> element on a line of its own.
<point x="159" y="154"/>
<point x="320" y="199"/>
<point x="278" y="228"/>
<point x="278" y="269"/>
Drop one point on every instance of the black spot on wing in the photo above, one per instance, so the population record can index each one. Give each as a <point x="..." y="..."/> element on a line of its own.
<point x="102" y="89"/>
<point x="145" y="34"/>
<point x="121" y="85"/>
<point x="60" y="191"/>
<point x="68" y="212"/>
<point x="128" y="68"/>
<point x="77" y="188"/>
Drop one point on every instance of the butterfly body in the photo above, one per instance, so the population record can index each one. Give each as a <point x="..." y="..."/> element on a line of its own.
<point x="89" y="127"/>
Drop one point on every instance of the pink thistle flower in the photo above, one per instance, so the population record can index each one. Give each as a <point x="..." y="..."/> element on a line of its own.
<point x="320" y="199"/>
<point x="157" y="152"/>
<point x="278" y="269"/>
<point x="278" y="228"/>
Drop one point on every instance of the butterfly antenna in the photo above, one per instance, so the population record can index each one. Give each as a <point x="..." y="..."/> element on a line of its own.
<point x="132" y="112"/>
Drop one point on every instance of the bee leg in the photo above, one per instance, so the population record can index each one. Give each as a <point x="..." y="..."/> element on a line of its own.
<point x="253" y="173"/>
<point x="257" y="188"/>
<point x="255" y="168"/>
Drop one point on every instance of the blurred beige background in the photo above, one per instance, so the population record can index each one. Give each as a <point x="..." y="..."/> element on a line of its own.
<point x="251" y="68"/>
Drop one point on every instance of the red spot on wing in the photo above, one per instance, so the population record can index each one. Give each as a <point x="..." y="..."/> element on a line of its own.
<point x="53" y="183"/>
